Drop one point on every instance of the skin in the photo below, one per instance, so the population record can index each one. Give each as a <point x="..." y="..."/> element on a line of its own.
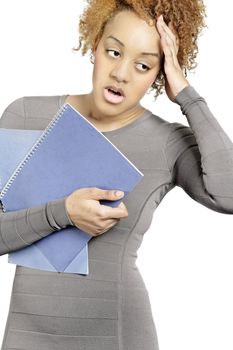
<point x="175" y="80"/>
<point x="126" y="67"/>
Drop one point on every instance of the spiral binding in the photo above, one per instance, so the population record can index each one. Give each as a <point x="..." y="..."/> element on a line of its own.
<point x="33" y="149"/>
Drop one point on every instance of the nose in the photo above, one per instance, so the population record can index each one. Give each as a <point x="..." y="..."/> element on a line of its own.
<point x="120" y="71"/>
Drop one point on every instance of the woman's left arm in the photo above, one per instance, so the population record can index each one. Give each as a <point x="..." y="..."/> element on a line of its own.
<point x="200" y="157"/>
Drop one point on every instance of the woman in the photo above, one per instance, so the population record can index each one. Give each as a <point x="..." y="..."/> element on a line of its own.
<point x="109" y="309"/>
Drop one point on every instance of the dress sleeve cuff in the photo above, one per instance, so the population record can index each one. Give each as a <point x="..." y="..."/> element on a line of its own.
<point x="186" y="97"/>
<point x="187" y="93"/>
<point x="57" y="214"/>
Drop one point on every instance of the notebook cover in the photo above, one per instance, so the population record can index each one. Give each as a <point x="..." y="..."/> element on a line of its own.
<point x="14" y="145"/>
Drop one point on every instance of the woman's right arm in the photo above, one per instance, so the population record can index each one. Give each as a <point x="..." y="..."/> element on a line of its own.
<point x="81" y="208"/>
<point x="20" y="228"/>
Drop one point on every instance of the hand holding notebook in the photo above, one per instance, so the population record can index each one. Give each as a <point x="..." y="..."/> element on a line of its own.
<point x="86" y="213"/>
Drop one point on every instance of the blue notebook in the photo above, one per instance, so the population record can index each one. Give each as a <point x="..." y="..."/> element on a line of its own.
<point x="71" y="153"/>
<point x="14" y="145"/>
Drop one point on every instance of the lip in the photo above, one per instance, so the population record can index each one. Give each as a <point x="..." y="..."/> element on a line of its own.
<point x="112" y="98"/>
<point x="115" y="89"/>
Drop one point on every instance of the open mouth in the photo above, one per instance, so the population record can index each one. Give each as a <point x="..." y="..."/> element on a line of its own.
<point x="114" y="92"/>
<point x="113" y="96"/>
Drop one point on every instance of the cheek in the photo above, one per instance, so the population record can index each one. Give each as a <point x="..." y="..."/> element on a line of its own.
<point x="99" y="70"/>
<point x="97" y="66"/>
<point x="145" y="84"/>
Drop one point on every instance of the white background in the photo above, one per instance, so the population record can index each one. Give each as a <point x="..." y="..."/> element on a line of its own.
<point x="186" y="257"/>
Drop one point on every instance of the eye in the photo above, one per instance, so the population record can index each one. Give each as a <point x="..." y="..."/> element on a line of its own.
<point x="145" y="66"/>
<point x="111" y="50"/>
<point x="142" y="64"/>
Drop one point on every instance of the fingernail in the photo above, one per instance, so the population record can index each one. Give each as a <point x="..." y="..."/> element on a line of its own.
<point x="119" y="193"/>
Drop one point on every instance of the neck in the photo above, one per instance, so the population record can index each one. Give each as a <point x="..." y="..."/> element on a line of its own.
<point x="115" y="120"/>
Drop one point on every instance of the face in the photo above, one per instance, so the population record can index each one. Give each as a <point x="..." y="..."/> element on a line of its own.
<point x="119" y="61"/>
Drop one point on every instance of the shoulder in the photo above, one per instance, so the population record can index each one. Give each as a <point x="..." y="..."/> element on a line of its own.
<point x="160" y="127"/>
<point x="168" y="136"/>
<point x="30" y="112"/>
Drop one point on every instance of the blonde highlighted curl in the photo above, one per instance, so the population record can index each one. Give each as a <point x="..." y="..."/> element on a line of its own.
<point x="187" y="17"/>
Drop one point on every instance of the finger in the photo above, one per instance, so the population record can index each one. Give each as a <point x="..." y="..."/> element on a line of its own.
<point x="110" y="224"/>
<point x="169" y="51"/>
<point x="170" y="36"/>
<point x="167" y="29"/>
<point x="105" y="194"/>
<point x="171" y="26"/>
<point x="171" y="39"/>
<point x="168" y="42"/>
<point x="109" y="212"/>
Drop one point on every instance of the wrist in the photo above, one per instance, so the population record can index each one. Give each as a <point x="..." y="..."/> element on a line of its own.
<point x="181" y="87"/>
<point x="67" y="210"/>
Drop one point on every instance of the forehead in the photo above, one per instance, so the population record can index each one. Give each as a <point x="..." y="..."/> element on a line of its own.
<point x="133" y="31"/>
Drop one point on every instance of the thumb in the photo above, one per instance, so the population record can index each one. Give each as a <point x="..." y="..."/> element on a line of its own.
<point x="109" y="194"/>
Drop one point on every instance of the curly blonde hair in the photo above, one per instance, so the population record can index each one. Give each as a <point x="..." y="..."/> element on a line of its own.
<point x="187" y="17"/>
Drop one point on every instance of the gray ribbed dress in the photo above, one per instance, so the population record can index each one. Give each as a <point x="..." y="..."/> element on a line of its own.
<point x="109" y="309"/>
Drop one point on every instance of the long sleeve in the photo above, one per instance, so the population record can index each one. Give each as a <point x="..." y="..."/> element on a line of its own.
<point x="21" y="228"/>
<point x="200" y="156"/>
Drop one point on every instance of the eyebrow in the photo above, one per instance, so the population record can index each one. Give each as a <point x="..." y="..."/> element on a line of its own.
<point x="142" y="53"/>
